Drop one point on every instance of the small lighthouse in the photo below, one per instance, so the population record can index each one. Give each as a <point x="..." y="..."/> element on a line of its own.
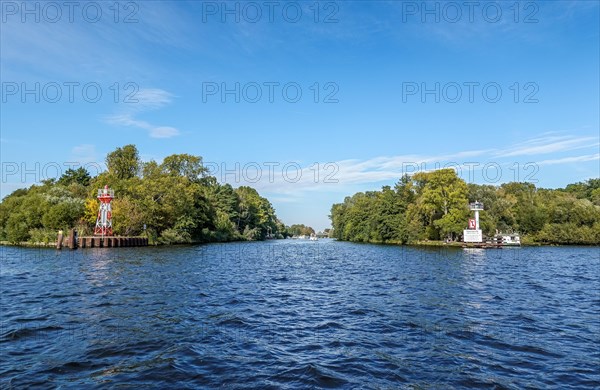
<point x="473" y="233"/>
<point x="104" y="220"/>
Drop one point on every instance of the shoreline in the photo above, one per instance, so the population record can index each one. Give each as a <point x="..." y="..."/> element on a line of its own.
<point x="457" y="244"/>
<point x="417" y="244"/>
<point x="53" y="245"/>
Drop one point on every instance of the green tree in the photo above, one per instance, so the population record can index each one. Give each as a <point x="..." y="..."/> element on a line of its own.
<point x="300" y="230"/>
<point x="17" y="230"/>
<point x="124" y="163"/>
<point x="256" y="213"/>
<point x="63" y="215"/>
<point x="79" y="176"/>
<point x="184" y="165"/>
<point x="439" y="192"/>
<point x="128" y="216"/>
<point x="452" y="224"/>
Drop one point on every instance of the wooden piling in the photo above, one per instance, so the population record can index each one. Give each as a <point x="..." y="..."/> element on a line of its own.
<point x="107" y="242"/>
<point x="59" y="240"/>
<point x="72" y="239"/>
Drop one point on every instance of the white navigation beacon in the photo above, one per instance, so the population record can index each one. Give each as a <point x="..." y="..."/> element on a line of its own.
<point x="473" y="233"/>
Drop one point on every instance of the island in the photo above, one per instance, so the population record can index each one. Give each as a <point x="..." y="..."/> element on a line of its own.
<point x="432" y="208"/>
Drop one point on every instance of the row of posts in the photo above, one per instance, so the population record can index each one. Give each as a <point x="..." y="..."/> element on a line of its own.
<point x="72" y="241"/>
<point x="111" y="242"/>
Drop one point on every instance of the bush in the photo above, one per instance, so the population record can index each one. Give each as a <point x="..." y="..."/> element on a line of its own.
<point x="17" y="230"/>
<point x="570" y="233"/>
<point x="172" y="236"/>
<point x="42" y="236"/>
<point x="252" y="234"/>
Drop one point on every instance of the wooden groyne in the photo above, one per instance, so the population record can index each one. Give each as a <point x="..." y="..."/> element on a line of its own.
<point x="72" y="241"/>
<point x="111" y="242"/>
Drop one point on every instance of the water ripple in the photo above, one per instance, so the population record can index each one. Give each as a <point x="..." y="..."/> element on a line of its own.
<point x="300" y="314"/>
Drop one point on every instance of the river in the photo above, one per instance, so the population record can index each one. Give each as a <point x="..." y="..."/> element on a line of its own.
<point x="300" y="314"/>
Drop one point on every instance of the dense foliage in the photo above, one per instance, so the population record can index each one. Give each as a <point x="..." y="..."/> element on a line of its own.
<point x="172" y="202"/>
<point x="434" y="206"/>
<point x="300" y="230"/>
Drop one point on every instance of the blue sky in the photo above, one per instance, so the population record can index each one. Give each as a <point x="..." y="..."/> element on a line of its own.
<point x="361" y="120"/>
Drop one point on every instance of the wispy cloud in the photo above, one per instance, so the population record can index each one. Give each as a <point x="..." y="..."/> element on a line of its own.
<point x="74" y="48"/>
<point x="341" y="176"/>
<point x="572" y="159"/>
<point x="548" y="144"/>
<point x="145" y="100"/>
<point x="84" y="153"/>
<point x="150" y="99"/>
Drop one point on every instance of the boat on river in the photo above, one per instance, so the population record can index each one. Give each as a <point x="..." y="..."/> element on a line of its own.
<point x="510" y="239"/>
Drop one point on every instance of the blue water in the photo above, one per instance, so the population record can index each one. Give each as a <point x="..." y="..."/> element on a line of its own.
<point x="300" y="314"/>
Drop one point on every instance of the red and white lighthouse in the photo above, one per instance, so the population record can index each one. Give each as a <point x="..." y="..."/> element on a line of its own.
<point x="104" y="221"/>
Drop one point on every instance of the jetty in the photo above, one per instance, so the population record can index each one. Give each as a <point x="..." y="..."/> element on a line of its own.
<point x="72" y="241"/>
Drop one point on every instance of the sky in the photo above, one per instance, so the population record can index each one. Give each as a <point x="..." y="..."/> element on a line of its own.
<point x="306" y="101"/>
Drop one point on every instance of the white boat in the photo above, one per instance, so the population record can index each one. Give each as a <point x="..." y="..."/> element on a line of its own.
<point x="511" y="239"/>
<point x="313" y="237"/>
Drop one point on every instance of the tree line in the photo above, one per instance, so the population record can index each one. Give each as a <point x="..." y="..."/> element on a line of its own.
<point x="300" y="230"/>
<point x="434" y="206"/>
<point x="176" y="201"/>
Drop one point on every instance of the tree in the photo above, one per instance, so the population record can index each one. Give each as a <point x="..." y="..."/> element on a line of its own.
<point x="184" y="165"/>
<point x="17" y="230"/>
<point x="63" y="215"/>
<point x="128" y="216"/>
<point x="439" y="192"/>
<point x="124" y="163"/>
<point x="452" y="224"/>
<point x="79" y="176"/>
<point x="300" y="230"/>
<point x="255" y="212"/>
<point x="338" y="219"/>
<point x="388" y="210"/>
<point x="584" y="189"/>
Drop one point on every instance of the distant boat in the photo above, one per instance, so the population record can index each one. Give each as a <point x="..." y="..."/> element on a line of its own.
<point x="500" y="240"/>
<point x="510" y="239"/>
<point x="313" y="237"/>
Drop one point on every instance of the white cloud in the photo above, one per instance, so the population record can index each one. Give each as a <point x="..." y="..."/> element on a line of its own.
<point x="340" y="176"/>
<point x="284" y="199"/>
<point x="572" y="159"/>
<point x="150" y="99"/>
<point x="548" y="144"/>
<point x="84" y="153"/>
<point x="163" y="132"/>
<point x="145" y="100"/>
<point x="75" y="49"/>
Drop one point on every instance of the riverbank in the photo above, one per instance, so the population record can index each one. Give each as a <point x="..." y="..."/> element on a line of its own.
<point x="27" y="244"/>
<point x="455" y="244"/>
<point x="423" y="243"/>
<point x="461" y="244"/>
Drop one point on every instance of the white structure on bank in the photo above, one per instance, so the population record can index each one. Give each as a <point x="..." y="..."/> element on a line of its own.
<point x="473" y="233"/>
